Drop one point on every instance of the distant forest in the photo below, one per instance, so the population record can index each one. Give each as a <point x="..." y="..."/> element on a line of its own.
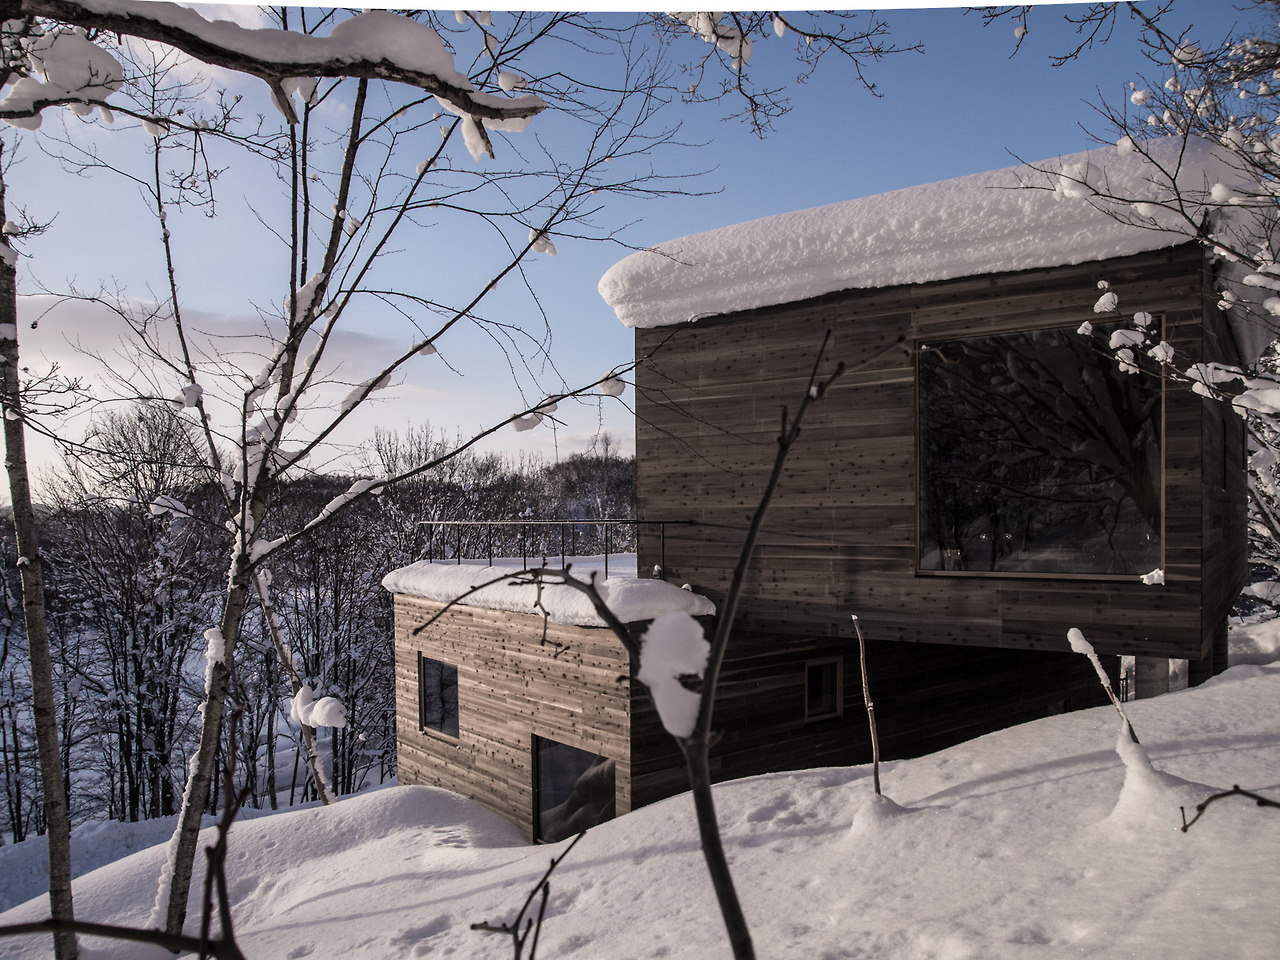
<point x="131" y="590"/>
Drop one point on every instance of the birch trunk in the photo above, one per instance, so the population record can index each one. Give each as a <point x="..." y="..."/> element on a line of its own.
<point x="175" y="886"/>
<point x="24" y="522"/>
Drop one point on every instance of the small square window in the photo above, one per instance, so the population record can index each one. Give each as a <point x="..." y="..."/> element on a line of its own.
<point x="438" y="695"/>
<point x="823" y="688"/>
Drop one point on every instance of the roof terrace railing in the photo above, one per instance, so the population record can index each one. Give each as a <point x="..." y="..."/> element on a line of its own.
<point x="569" y="538"/>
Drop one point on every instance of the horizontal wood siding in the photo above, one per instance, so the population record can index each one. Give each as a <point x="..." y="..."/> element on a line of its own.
<point x="511" y="686"/>
<point x="927" y="697"/>
<point x="1225" y="554"/>
<point x="841" y="534"/>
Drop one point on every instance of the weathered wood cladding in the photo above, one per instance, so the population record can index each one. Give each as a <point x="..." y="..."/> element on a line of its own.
<point x="1224" y="485"/>
<point x="512" y="686"/>
<point x="927" y="697"/>
<point x="841" y="533"/>
<point x="573" y="688"/>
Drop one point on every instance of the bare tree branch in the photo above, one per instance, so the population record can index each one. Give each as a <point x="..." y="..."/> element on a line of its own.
<point x="273" y="55"/>
<point x="1235" y="791"/>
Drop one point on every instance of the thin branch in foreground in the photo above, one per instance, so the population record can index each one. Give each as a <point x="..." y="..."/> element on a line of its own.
<point x="521" y="927"/>
<point x="1235" y="791"/>
<point x="697" y="745"/>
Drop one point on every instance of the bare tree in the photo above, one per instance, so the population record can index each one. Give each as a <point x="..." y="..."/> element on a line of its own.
<point x="1215" y="97"/>
<point x="133" y="588"/>
<point x="350" y="194"/>
<point x="57" y="820"/>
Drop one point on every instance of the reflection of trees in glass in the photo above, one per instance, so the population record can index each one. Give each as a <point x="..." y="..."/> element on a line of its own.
<point x="438" y="689"/>
<point x="575" y="790"/>
<point x="1037" y="454"/>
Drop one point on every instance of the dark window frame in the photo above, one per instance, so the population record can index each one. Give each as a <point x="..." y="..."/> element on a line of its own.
<point x="922" y="346"/>
<point x="446" y="693"/>
<point x="838" y="693"/>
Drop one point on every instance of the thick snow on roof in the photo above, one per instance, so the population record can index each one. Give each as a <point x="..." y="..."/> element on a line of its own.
<point x="984" y="223"/>
<point x="629" y="598"/>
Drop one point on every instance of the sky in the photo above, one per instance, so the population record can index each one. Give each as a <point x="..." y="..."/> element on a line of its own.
<point x="967" y="103"/>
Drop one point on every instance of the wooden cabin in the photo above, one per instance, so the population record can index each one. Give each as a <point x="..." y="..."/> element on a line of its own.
<point x="988" y="473"/>
<point x="536" y="717"/>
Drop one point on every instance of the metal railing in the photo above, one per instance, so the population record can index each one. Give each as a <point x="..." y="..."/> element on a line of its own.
<point x="569" y="538"/>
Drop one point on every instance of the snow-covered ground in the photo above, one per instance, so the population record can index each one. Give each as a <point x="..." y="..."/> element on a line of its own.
<point x="1027" y="843"/>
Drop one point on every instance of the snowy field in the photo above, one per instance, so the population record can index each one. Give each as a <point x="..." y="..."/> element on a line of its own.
<point x="1029" y="843"/>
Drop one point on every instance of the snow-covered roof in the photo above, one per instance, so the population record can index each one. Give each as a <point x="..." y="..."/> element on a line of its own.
<point x="631" y="599"/>
<point x="979" y="224"/>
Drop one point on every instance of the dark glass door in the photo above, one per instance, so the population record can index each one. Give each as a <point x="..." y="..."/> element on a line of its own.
<point x="574" y="789"/>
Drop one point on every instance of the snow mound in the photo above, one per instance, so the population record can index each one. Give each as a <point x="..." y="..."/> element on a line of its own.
<point x="876" y="814"/>
<point x="1151" y="799"/>
<point x="983" y="223"/>
<point x="1256" y="643"/>
<point x="631" y="600"/>
<point x="1004" y="856"/>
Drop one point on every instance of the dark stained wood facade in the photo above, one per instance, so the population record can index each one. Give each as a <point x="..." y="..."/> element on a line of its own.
<point x="927" y="697"/>
<point x="841" y="536"/>
<point x="578" y="688"/>
<point x="950" y="656"/>
<point x="512" y="686"/>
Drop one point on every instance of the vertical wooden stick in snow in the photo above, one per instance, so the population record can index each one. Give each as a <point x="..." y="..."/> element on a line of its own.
<point x="871" y="708"/>
<point x="1082" y="646"/>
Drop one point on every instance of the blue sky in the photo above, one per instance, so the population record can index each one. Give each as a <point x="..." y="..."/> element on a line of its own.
<point x="964" y="105"/>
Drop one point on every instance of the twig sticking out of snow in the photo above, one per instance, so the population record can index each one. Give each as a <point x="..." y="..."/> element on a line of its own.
<point x="1082" y="646"/>
<point x="520" y="929"/>
<point x="1235" y="791"/>
<point x="871" y="709"/>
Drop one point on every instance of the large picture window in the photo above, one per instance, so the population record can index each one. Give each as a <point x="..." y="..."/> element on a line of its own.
<point x="575" y="789"/>
<point x="438" y="695"/>
<point x="1038" y="454"/>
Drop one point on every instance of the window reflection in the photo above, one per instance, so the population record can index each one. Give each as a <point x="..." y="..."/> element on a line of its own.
<point x="575" y="789"/>
<point x="1038" y="455"/>
<point x="438" y="693"/>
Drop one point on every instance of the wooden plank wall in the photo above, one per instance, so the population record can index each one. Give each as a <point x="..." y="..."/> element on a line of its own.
<point x="511" y="686"/>
<point x="1224" y="484"/>
<point x="927" y="696"/>
<point x="841" y="535"/>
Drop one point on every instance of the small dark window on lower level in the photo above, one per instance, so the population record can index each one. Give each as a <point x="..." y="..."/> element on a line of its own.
<point x="823" y="685"/>
<point x="438" y="695"/>
<point x="574" y="789"/>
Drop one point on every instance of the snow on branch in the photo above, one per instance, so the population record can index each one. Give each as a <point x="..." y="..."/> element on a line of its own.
<point x="1083" y="647"/>
<point x="307" y="711"/>
<point x="376" y="44"/>
<point x="66" y="68"/>
<point x="163" y="504"/>
<point x="674" y="647"/>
